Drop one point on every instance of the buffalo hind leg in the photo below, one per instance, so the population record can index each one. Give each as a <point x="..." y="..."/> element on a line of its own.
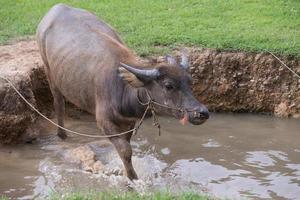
<point x="59" y="107"/>
<point x="124" y="150"/>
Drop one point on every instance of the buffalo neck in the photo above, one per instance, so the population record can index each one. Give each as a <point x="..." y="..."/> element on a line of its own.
<point x="131" y="102"/>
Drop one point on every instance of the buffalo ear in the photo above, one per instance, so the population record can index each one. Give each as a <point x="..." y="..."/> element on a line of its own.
<point x="171" y="60"/>
<point x="130" y="78"/>
<point x="184" y="60"/>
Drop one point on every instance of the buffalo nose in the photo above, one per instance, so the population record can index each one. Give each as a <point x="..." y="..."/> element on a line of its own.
<point x="199" y="115"/>
<point x="204" y="113"/>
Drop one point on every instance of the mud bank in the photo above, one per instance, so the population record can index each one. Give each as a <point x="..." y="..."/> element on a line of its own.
<point x="246" y="82"/>
<point x="21" y="64"/>
<point x="224" y="81"/>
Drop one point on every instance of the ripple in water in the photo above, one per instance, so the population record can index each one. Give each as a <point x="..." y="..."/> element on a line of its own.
<point x="231" y="156"/>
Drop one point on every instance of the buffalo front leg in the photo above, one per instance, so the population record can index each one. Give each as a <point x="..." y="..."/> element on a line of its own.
<point x="121" y="143"/>
<point x="59" y="107"/>
<point x="124" y="150"/>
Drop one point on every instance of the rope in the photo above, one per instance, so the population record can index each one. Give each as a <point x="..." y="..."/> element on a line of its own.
<point x="134" y="130"/>
<point x="159" y="104"/>
<point x="284" y="65"/>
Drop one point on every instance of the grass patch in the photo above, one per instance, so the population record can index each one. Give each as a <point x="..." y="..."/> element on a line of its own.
<point x="130" y="196"/>
<point x="151" y="26"/>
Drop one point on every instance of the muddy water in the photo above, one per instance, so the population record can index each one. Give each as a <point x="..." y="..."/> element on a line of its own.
<point x="232" y="156"/>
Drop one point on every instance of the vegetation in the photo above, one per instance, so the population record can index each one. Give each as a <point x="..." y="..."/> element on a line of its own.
<point x="151" y="26"/>
<point x="130" y="196"/>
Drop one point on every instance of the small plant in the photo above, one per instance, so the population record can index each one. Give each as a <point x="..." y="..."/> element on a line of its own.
<point x="3" y="198"/>
<point x="130" y="196"/>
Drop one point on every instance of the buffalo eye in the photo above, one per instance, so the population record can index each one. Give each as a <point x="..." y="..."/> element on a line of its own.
<point x="169" y="86"/>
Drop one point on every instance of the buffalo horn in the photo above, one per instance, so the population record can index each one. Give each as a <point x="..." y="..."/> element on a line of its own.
<point x="142" y="73"/>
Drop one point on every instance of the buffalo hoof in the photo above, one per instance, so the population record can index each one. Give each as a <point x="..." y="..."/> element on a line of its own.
<point x="132" y="175"/>
<point x="62" y="135"/>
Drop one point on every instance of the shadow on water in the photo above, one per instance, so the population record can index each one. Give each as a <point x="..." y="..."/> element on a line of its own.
<point x="233" y="156"/>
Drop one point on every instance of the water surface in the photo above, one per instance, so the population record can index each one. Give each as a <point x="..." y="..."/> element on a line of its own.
<point x="232" y="156"/>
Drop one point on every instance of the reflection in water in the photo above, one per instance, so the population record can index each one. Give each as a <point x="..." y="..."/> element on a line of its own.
<point x="231" y="156"/>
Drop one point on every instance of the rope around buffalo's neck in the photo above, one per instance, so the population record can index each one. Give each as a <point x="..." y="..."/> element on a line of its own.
<point x="156" y="103"/>
<point x="134" y="130"/>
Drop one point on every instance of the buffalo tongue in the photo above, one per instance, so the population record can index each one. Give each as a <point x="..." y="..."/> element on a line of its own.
<point x="185" y="119"/>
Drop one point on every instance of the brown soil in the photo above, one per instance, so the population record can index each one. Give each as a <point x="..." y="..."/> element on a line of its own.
<point x="224" y="81"/>
<point x="21" y="64"/>
<point x="246" y="82"/>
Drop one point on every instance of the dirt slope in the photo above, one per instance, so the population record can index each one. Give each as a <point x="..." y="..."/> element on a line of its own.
<point x="21" y="64"/>
<point x="246" y="82"/>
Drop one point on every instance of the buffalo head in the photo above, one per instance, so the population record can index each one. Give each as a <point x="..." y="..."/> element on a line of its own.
<point x="168" y="84"/>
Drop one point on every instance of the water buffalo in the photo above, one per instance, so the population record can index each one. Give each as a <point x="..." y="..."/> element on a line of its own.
<point x="83" y="58"/>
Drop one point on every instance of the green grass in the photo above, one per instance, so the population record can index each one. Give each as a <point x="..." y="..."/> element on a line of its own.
<point x="126" y="196"/>
<point x="130" y="196"/>
<point x="152" y="26"/>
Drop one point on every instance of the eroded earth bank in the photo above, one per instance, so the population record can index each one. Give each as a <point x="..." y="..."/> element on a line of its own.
<point x="224" y="81"/>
